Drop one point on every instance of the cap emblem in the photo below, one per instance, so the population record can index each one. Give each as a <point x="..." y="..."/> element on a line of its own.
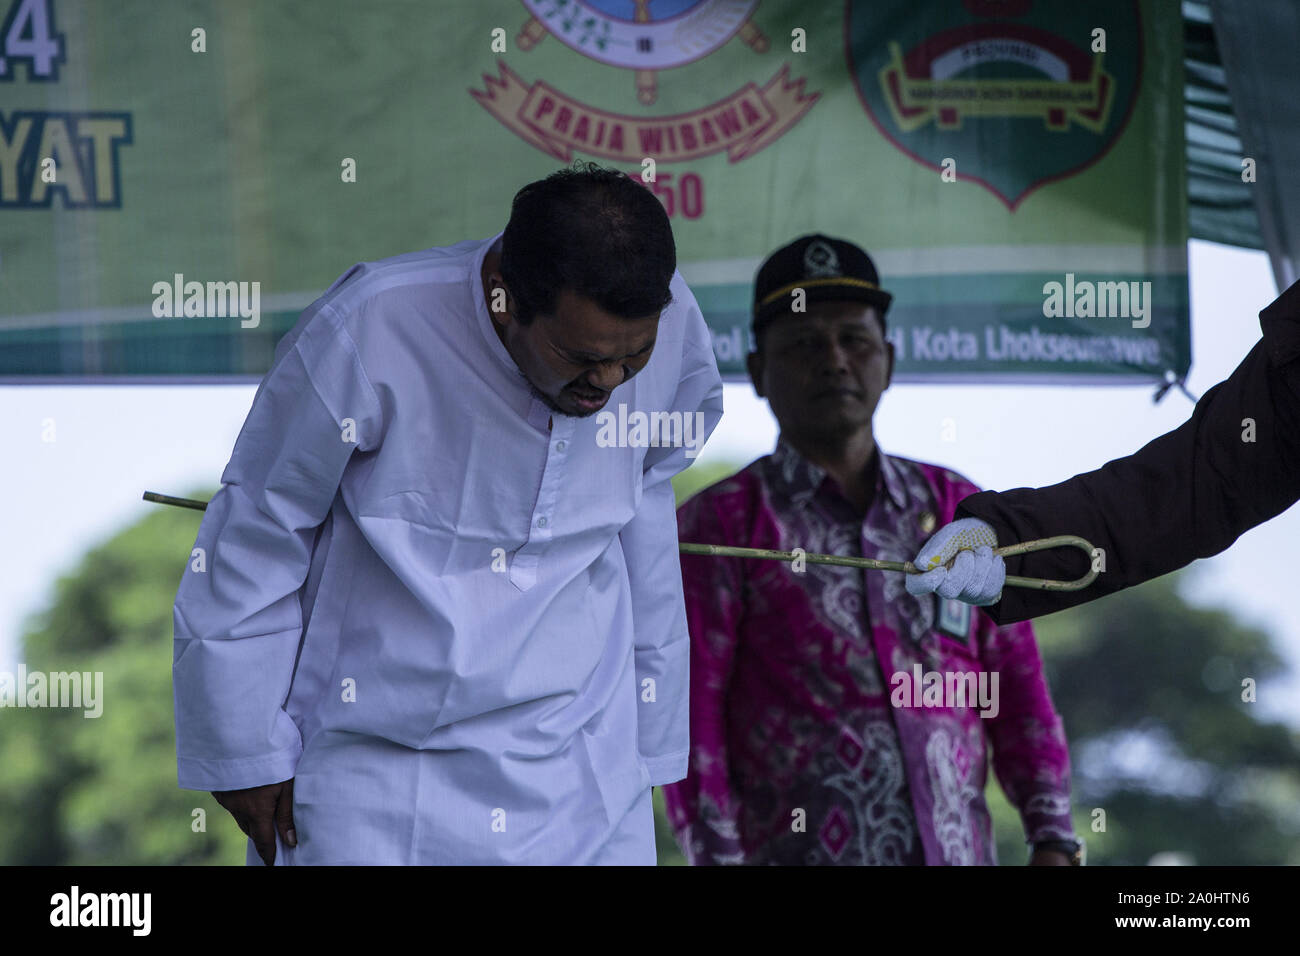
<point x="819" y="259"/>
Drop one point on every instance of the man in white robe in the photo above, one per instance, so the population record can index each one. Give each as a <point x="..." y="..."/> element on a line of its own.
<point x="435" y="610"/>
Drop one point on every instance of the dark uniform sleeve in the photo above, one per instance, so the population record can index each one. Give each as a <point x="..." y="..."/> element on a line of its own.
<point x="1188" y="494"/>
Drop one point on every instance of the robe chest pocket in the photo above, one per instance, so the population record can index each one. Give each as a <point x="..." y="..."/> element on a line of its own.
<point x="424" y="529"/>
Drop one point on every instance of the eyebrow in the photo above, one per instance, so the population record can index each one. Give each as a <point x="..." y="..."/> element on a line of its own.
<point x="588" y="357"/>
<point x="793" y="331"/>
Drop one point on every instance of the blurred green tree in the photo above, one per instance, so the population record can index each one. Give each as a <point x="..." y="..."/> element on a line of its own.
<point x="1161" y="741"/>
<point x="103" y="790"/>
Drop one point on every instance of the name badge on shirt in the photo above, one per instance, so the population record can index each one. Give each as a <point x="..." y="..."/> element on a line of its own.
<point x="954" y="618"/>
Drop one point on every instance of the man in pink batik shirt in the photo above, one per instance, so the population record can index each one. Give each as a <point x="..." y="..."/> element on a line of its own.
<point x="835" y="718"/>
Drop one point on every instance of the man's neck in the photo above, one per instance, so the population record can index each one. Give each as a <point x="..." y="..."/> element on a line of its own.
<point x="847" y="459"/>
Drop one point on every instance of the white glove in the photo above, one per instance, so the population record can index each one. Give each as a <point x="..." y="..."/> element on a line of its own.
<point x="977" y="574"/>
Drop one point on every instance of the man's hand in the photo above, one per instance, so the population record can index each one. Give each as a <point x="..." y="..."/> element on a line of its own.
<point x="260" y="812"/>
<point x="958" y="562"/>
<point x="1049" y="858"/>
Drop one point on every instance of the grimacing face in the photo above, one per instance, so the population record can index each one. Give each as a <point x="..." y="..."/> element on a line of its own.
<point x="576" y="357"/>
<point x="823" y="371"/>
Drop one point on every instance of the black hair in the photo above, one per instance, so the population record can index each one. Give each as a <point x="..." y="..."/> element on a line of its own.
<point x="595" y="231"/>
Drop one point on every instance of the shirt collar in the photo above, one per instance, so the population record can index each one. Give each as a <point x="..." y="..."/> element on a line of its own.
<point x="800" y="479"/>
<point x="892" y="479"/>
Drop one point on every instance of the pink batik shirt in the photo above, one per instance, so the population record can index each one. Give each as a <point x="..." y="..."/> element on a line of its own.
<point x="817" y="732"/>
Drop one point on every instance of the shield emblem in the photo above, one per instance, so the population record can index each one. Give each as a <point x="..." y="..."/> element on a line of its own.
<point x="1016" y="93"/>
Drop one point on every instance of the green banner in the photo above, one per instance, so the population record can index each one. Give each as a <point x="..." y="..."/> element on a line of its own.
<point x="178" y="180"/>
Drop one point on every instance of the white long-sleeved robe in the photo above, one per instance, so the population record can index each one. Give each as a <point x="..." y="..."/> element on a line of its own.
<point x="460" y="632"/>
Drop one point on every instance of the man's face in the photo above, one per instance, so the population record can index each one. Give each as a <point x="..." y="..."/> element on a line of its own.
<point x="577" y="356"/>
<point x="823" y="371"/>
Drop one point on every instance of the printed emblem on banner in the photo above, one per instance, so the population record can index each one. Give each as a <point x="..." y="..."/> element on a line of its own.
<point x="1018" y="92"/>
<point x="954" y="619"/>
<point x="644" y="37"/>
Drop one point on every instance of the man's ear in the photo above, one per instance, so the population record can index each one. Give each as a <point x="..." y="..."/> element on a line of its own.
<point x="754" y="363"/>
<point x="889" y="371"/>
<point x="500" y="303"/>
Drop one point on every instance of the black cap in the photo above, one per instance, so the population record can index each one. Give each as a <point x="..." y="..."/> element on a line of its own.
<point x="825" y="268"/>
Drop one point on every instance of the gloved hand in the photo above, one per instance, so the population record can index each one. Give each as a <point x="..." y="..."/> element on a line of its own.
<point x="977" y="574"/>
